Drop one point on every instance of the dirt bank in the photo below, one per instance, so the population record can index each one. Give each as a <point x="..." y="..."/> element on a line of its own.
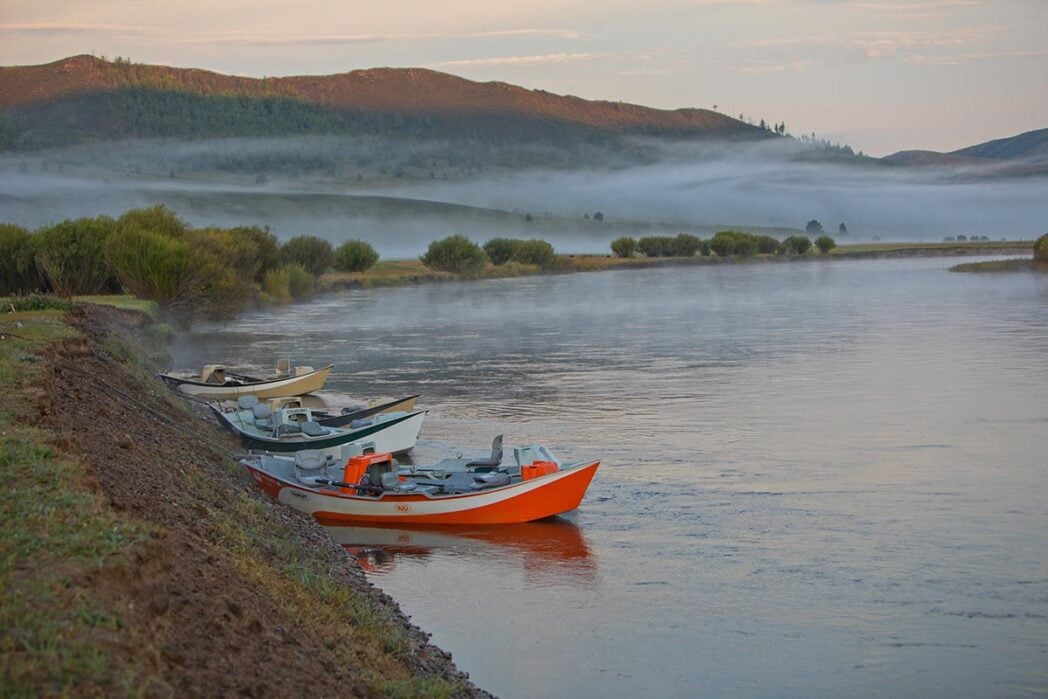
<point x="228" y="593"/>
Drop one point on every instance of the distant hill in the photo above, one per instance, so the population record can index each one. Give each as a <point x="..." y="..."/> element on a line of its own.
<point x="1031" y="146"/>
<point x="1025" y="154"/>
<point x="84" y="99"/>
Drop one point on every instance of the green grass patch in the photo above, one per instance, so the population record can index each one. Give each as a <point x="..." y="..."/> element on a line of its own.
<point x="55" y="529"/>
<point x="1021" y="264"/>
<point x="123" y="301"/>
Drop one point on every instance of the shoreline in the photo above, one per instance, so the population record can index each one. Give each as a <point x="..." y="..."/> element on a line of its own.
<point x="390" y="273"/>
<point x="142" y="558"/>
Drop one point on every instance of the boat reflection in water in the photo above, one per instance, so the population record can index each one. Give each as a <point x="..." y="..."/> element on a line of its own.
<point x="552" y="547"/>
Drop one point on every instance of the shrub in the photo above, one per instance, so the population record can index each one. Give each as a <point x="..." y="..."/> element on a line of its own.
<point x="150" y="265"/>
<point x="276" y="286"/>
<point x="456" y="253"/>
<point x="155" y="219"/>
<point x="746" y="245"/>
<point x="766" y="245"/>
<point x="796" y="244"/>
<point x="1040" y="250"/>
<point x="501" y="250"/>
<point x="71" y="255"/>
<point x="535" y="252"/>
<point x="825" y="243"/>
<point x="624" y="246"/>
<point x="299" y="281"/>
<point x="313" y="253"/>
<point x="355" y="256"/>
<point x="656" y="246"/>
<point x="685" y="245"/>
<point x="266" y="244"/>
<point x="223" y="269"/>
<point x="704" y="248"/>
<point x="18" y="271"/>
<point x="723" y="243"/>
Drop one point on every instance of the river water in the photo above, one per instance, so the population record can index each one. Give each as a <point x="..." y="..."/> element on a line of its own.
<point x="818" y="479"/>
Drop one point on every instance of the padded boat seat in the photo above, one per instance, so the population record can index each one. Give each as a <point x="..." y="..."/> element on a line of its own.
<point x="492" y="462"/>
<point x="356" y="424"/>
<point x="490" y="480"/>
<point x="263" y="415"/>
<point x="309" y="459"/>
<point x="287" y="428"/>
<point x="313" y="429"/>
<point x="247" y="402"/>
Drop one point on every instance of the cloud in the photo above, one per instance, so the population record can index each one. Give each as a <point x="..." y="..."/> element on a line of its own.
<point x="275" y="39"/>
<point x="545" y="58"/>
<point x="58" y="28"/>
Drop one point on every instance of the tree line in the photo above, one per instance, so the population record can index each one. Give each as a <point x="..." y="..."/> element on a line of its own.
<point x="155" y="255"/>
<point x="723" y="244"/>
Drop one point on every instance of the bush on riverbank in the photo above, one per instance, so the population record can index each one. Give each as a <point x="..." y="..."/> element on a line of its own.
<point x="624" y="246"/>
<point x="796" y="245"/>
<point x="501" y="250"/>
<point x="71" y="255"/>
<point x="313" y="253"/>
<point x="355" y="256"/>
<point x="457" y="254"/>
<point x="18" y="270"/>
<point x="825" y="243"/>
<point x="1040" y="250"/>
<point x="739" y="243"/>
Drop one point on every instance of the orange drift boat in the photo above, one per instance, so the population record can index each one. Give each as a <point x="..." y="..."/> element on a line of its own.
<point x="373" y="489"/>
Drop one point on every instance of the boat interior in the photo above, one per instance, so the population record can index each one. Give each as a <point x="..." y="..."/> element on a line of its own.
<point x="291" y="418"/>
<point x="371" y="474"/>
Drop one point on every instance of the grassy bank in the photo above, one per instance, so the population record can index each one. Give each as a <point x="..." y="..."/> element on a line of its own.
<point x="137" y="557"/>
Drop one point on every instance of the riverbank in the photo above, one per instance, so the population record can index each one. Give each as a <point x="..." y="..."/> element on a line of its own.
<point x="139" y="557"/>
<point x="408" y="272"/>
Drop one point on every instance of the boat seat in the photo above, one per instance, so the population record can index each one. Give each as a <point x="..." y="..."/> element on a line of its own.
<point x="492" y="462"/>
<point x="312" y="463"/>
<point x="312" y="428"/>
<point x="490" y="480"/>
<point x="287" y="428"/>
<point x="247" y="402"/>
<point x="356" y="424"/>
<point x="263" y="416"/>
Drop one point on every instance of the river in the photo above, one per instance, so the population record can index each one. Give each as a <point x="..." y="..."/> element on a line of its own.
<point x="818" y="479"/>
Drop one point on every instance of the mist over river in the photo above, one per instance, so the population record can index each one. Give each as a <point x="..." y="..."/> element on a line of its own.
<point x="818" y="478"/>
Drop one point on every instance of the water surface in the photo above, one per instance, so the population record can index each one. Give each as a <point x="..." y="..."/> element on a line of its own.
<point x="818" y="479"/>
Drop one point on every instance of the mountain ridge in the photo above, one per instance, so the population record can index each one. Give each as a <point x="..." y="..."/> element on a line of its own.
<point x="40" y="97"/>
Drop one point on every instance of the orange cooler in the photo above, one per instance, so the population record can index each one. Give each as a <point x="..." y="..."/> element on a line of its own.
<point x="536" y="469"/>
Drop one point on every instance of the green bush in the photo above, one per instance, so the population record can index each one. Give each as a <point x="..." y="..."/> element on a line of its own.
<point x="313" y="253"/>
<point x="456" y="253"/>
<point x="685" y="245"/>
<point x="71" y="255"/>
<point x="624" y="246"/>
<point x="150" y="265"/>
<point x="655" y="246"/>
<point x="223" y="269"/>
<point x="276" y="286"/>
<point x="355" y="256"/>
<point x="155" y="219"/>
<point x="18" y="271"/>
<point x="299" y="281"/>
<point x="825" y="243"/>
<point x="797" y="244"/>
<point x="36" y="302"/>
<point x="535" y="252"/>
<point x="267" y="245"/>
<point x="723" y="243"/>
<point x="501" y="250"/>
<point x="766" y="245"/>
<point x="1040" y="250"/>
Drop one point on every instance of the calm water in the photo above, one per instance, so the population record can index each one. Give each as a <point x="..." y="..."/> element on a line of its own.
<point x="818" y="479"/>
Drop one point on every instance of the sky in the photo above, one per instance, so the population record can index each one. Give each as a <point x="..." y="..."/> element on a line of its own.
<point x="879" y="75"/>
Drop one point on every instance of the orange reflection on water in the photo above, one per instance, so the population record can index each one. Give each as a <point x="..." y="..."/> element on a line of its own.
<point x="552" y="547"/>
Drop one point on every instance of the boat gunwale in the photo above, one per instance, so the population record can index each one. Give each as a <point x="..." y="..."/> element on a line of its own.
<point x="179" y="381"/>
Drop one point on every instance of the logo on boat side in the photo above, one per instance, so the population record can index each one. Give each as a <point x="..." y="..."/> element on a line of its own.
<point x="402" y="508"/>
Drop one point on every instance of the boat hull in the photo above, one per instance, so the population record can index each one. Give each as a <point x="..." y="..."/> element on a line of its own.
<point x="519" y="502"/>
<point x="273" y="388"/>
<point x="395" y="436"/>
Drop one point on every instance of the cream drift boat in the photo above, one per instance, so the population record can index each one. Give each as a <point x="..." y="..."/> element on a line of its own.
<point x="217" y="383"/>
